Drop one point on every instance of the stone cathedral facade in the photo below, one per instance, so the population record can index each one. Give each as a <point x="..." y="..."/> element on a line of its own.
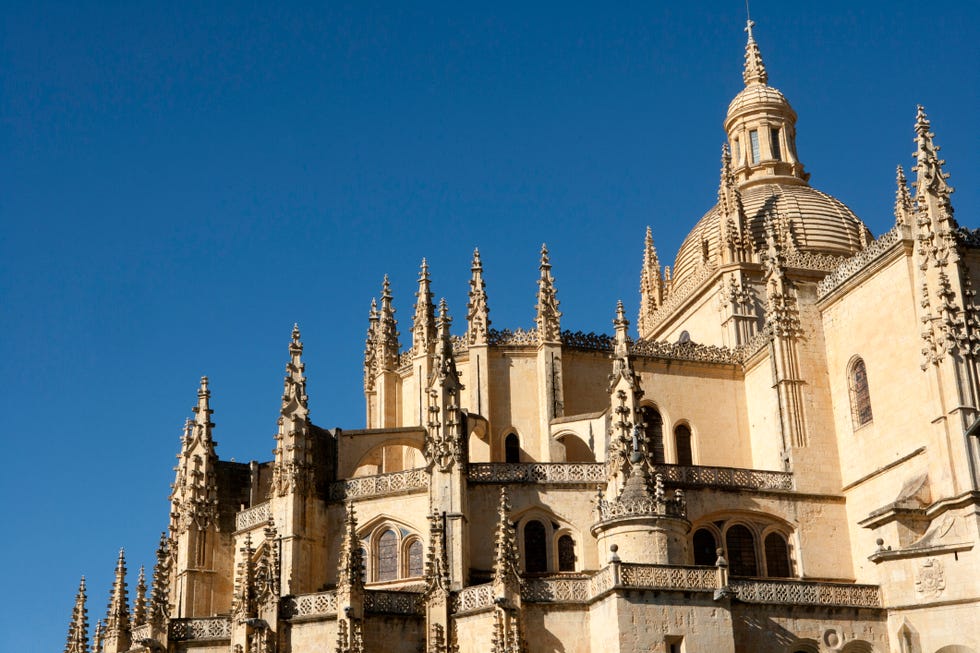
<point x="784" y="457"/>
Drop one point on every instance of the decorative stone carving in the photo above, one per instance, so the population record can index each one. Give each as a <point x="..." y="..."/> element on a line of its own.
<point x="292" y="469"/>
<point x="443" y="446"/>
<point x="194" y="499"/>
<point x="930" y="580"/>
<point x="477" y="310"/>
<point x="548" y="318"/>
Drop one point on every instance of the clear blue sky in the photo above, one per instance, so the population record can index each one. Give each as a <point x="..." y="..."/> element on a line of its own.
<point x="181" y="184"/>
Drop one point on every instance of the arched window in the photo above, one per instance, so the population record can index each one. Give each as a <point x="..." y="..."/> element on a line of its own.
<point x="682" y="440"/>
<point x="740" y="544"/>
<point x="512" y="448"/>
<point x="387" y="556"/>
<point x="857" y="378"/>
<point x="653" y="429"/>
<point x="777" y="556"/>
<point x="566" y="553"/>
<point x="535" y="547"/>
<point x="705" y="547"/>
<point x="415" y="558"/>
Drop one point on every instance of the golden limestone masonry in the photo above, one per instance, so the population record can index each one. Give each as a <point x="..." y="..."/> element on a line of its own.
<point x="766" y="467"/>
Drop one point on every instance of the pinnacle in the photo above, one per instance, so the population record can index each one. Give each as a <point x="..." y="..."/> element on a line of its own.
<point x="620" y="315"/>
<point x="755" y="70"/>
<point x="544" y="257"/>
<point x="296" y="334"/>
<point x="424" y="271"/>
<point x="477" y="263"/>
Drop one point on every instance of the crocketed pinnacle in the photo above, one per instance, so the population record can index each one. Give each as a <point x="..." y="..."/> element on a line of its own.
<point x="139" y="601"/>
<point x="437" y="560"/>
<point x="203" y="412"/>
<point x="729" y="196"/>
<point x="506" y="558"/>
<point x="352" y="561"/>
<point x="159" y="608"/>
<point x="78" y="627"/>
<point x="117" y="616"/>
<point x="371" y="347"/>
<point x="423" y="322"/>
<point x="387" y="338"/>
<point x="930" y="177"/>
<point x="755" y="69"/>
<point x="651" y="285"/>
<point x="903" y="200"/>
<point x="477" y="309"/>
<point x="294" y="399"/>
<point x="548" y="316"/>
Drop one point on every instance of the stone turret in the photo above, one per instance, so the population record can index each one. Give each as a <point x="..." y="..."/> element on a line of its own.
<point x="78" y="627"/>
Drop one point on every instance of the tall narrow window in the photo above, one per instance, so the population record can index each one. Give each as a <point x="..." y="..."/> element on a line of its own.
<point x="860" y="395"/>
<point x="774" y="144"/>
<point x="415" y="559"/>
<point x="777" y="556"/>
<point x="653" y="428"/>
<point x="682" y="440"/>
<point x="535" y="547"/>
<point x="705" y="547"/>
<point x="512" y="448"/>
<point x="736" y="153"/>
<point x="566" y="553"/>
<point x="754" y="140"/>
<point x="740" y="544"/>
<point x="388" y="556"/>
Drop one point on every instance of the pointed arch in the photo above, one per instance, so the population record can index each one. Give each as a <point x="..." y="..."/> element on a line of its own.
<point x="653" y="431"/>
<point x="859" y="392"/>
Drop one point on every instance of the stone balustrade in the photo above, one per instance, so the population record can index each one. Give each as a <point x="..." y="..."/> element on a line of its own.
<point x="200" y="629"/>
<point x="725" y="477"/>
<point x="797" y="592"/>
<point x="407" y="481"/>
<point x="669" y="577"/>
<point x="393" y="602"/>
<point x="474" y="597"/>
<point x="310" y="605"/>
<point x="141" y="632"/>
<point x="258" y="514"/>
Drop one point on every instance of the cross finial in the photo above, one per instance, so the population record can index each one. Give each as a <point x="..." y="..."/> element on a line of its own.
<point x="749" y="24"/>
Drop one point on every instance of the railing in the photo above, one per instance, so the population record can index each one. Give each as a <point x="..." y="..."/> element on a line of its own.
<point x="557" y="473"/>
<point x="255" y="515"/>
<point x="199" y="629"/>
<point x="141" y="632"/>
<point x="669" y="577"/>
<point x="807" y="593"/>
<point x="309" y="605"/>
<point x="392" y="602"/>
<point x="408" y="480"/>
<point x="556" y="590"/>
<point x="727" y="477"/>
<point x="641" y="508"/>
<point x="851" y="266"/>
<point x="589" y="473"/>
<point x="473" y="597"/>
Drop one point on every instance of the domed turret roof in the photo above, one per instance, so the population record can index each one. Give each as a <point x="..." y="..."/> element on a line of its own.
<point x="817" y="223"/>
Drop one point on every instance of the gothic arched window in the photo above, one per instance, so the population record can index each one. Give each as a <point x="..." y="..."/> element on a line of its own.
<point x="777" y="556"/>
<point x="388" y="556"/>
<point x="535" y="547"/>
<point x="512" y="448"/>
<point x="705" y="547"/>
<point x="740" y="544"/>
<point x="653" y="429"/>
<point x="682" y="441"/>
<point x="857" y="381"/>
<point x="415" y="568"/>
<point x="566" y="553"/>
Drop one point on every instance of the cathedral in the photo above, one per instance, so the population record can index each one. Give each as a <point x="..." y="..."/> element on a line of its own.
<point x="783" y="456"/>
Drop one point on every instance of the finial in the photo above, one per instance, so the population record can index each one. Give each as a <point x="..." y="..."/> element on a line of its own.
<point x="477" y="311"/>
<point x="544" y="257"/>
<point x="424" y="271"/>
<point x="755" y="70"/>
<point x="477" y="263"/>
<point x="903" y="199"/>
<point x="296" y="334"/>
<point x="385" y="289"/>
<point x="620" y="314"/>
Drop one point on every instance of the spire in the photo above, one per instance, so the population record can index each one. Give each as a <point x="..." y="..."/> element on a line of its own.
<point x="507" y="635"/>
<point x="294" y="399"/>
<point x="267" y="569"/>
<point x="443" y="444"/>
<point x="903" y="200"/>
<point x="506" y="559"/>
<point x="477" y="311"/>
<point x="117" y="626"/>
<point x="755" y="69"/>
<point x="98" y="638"/>
<point x="371" y="348"/>
<point x="651" y="285"/>
<point x="194" y="499"/>
<point x="159" y="608"/>
<point x="202" y="414"/>
<point x="548" y="318"/>
<point x="78" y="628"/>
<point x="423" y="322"/>
<point x="621" y="326"/>
<point x="437" y="560"/>
<point x="387" y="334"/>
<point x="243" y="598"/>
<point x="139" y="601"/>
<point x="932" y="190"/>
<point x="736" y="244"/>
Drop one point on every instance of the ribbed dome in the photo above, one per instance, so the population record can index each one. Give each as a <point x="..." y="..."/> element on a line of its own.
<point x="756" y="96"/>
<point x="818" y="223"/>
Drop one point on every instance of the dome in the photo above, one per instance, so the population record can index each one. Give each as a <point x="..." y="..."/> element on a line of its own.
<point x="818" y="223"/>
<point x="756" y="96"/>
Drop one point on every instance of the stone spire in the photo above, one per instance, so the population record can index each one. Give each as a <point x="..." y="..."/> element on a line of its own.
<point x="548" y="318"/>
<point x="292" y="469"/>
<point x="243" y="597"/>
<point x="437" y="559"/>
<point x="78" y="628"/>
<point x="736" y="243"/>
<point x="508" y="635"/>
<point x="477" y="311"/>
<point x="194" y="499"/>
<point x="371" y="348"/>
<point x="903" y="200"/>
<point x="117" y="625"/>
<point x="423" y="322"/>
<point x="159" y="608"/>
<point x="443" y="445"/>
<point x="350" y="589"/>
<point x="651" y="285"/>
<point x="755" y="69"/>
<point x="506" y="560"/>
<point x="932" y="190"/>
<point x="139" y="601"/>
<point x="387" y="334"/>
<point x="98" y="638"/>
<point x="624" y="395"/>
<point x="268" y="570"/>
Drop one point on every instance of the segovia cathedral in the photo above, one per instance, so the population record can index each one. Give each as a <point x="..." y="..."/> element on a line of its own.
<point x="786" y="458"/>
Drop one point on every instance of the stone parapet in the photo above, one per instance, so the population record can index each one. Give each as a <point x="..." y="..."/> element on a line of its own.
<point x="200" y="629"/>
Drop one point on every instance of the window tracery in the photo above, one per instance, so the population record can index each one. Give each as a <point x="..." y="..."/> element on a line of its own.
<point x="857" y="378"/>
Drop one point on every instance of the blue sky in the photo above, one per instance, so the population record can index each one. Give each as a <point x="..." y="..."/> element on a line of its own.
<point x="182" y="183"/>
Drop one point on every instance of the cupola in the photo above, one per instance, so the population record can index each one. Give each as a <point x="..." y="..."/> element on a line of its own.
<point x="761" y="127"/>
